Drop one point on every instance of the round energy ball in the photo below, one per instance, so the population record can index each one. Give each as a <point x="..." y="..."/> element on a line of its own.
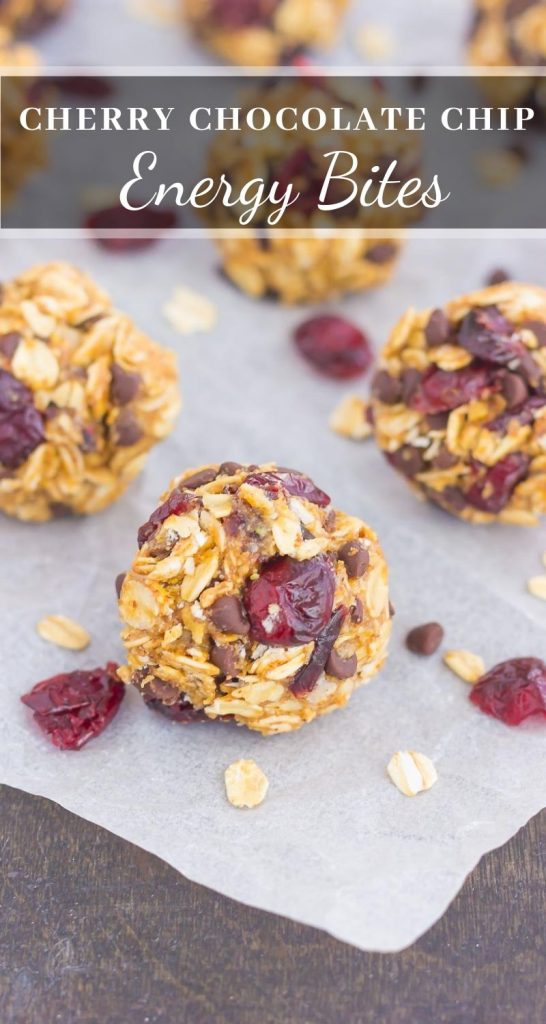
<point x="252" y="598"/>
<point x="22" y="152"/>
<point x="263" y="32"/>
<point x="459" y="404"/>
<point x="29" y="15"/>
<point x="83" y="395"/>
<point x="312" y="266"/>
<point x="506" y="33"/>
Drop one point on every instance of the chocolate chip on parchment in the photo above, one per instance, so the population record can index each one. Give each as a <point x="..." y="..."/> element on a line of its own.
<point x="128" y="430"/>
<point x="9" y="342"/>
<point x="119" y="582"/>
<point x="513" y="389"/>
<point x="497" y="276"/>
<point x="425" y="639"/>
<point x="223" y="656"/>
<point x="392" y="610"/>
<point x="228" y="614"/>
<point x="386" y="389"/>
<point x="438" y="328"/>
<point x="341" y="668"/>
<point x="355" y="557"/>
<point x="124" y="385"/>
<point x="199" y="479"/>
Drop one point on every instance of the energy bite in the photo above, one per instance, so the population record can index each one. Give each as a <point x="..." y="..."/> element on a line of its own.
<point x="510" y="33"/>
<point x="83" y="395"/>
<point x="22" y="152"/>
<point x="459" y="404"/>
<point x="29" y="15"/>
<point x="252" y="598"/>
<point x="263" y="32"/>
<point x="310" y="267"/>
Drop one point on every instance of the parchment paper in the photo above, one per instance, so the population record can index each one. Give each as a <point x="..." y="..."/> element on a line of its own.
<point x="335" y="844"/>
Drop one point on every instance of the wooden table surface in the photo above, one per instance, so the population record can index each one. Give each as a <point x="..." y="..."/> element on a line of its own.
<point x="96" y="931"/>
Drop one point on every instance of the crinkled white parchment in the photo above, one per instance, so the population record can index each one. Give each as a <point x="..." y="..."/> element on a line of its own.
<point x="335" y="844"/>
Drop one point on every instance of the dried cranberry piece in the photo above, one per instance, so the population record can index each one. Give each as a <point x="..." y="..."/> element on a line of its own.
<point x="291" y="602"/>
<point x="334" y="346"/>
<point x="486" y="333"/>
<point x="21" y="425"/>
<point x="291" y="481"/>
<point x="513" y="690"/>
<point x="73" y="707"/>
<point x="492" y="490"/>
<point x="178" y="502"/>
<point x="523" y="413"/>
<point x="118" y="218"/>
<point x="307" y="677"/>
<point x="442" y="390"/>
<point x="182" y="711"/>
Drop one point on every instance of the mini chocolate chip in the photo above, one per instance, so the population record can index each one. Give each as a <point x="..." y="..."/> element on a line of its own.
<point x="355" y="557"/>
<point x="437" y="420"/>
<point x="229" y="468"/>
<point x="60" y="511"/>
<point x="538" y="327"/>
<point x="223" y="656"/>
<point x="381" y="253"/>
<point x="425" y="639"/>
<point x="411" y="380"/>
<point x="498" y="276"/>
<point x="392" y="610"/>
<point x="341" y="668"/>
<point x="444" y="459"/>
<point x="128" y="431"/>
<point x="124" y="385"/>
<point x="438" y="328"/>
<point x="228" y="614"/>
<point x="386" y="389"/>
<point x="357" y="611"/>
<point x="199" y="479"/>
<point x="158" y="689"/>
<point x="408" y="460"/>
<point x="9" y="342"/>
<point x="119" y="582"/>
<point x="513" y="389"/>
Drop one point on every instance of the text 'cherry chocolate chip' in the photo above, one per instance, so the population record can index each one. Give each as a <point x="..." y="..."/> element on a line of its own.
<point x="356" y="558"/>
<point x="291" y="602"/>
<point x="425" y="639"/>
<point x="228" y="615"/>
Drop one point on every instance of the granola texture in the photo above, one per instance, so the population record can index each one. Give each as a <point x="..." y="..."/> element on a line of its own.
<point x="22" y="152"/>
<point x="29" y="15"/>
<point x="252" y="598"/>
<point x="510" y="33"/>
<point x="263" y="32"/>
<point x="311" y="266"/>
<point x="83" y="395"/>
<point x="459" y="404"/>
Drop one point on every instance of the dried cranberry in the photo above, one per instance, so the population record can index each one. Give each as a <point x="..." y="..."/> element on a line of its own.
<point x="524" y="414"/>
<point x="307" y="677"/>
<point x="291" y="602"/>
<point x="492" y="489"/>
<point x="442" y="390"/>
<point x="21" y="425"/>
<point x="486" y="333"/>
<point x="182" y="711"/>
<point x="178" y="502"/>
<point x="114" y="218"/>
<point x="334" y="346"/>
<point x="73" y="707"/>
<point x="291" y="481"/>
<point x="513" y="690"/>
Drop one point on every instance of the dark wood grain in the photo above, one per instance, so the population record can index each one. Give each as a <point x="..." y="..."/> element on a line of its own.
<point x="95" y="930"/>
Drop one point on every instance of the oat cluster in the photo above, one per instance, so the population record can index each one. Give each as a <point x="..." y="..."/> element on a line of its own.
<point x="83" y="395"/>
<point x="507" y="33"/>
<point x="252" y="598"/>
<point x="459" y="403"/>
<point x="263" y="32"/>
<point x="29" y="15"/>
<point x="311" y="267"/>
